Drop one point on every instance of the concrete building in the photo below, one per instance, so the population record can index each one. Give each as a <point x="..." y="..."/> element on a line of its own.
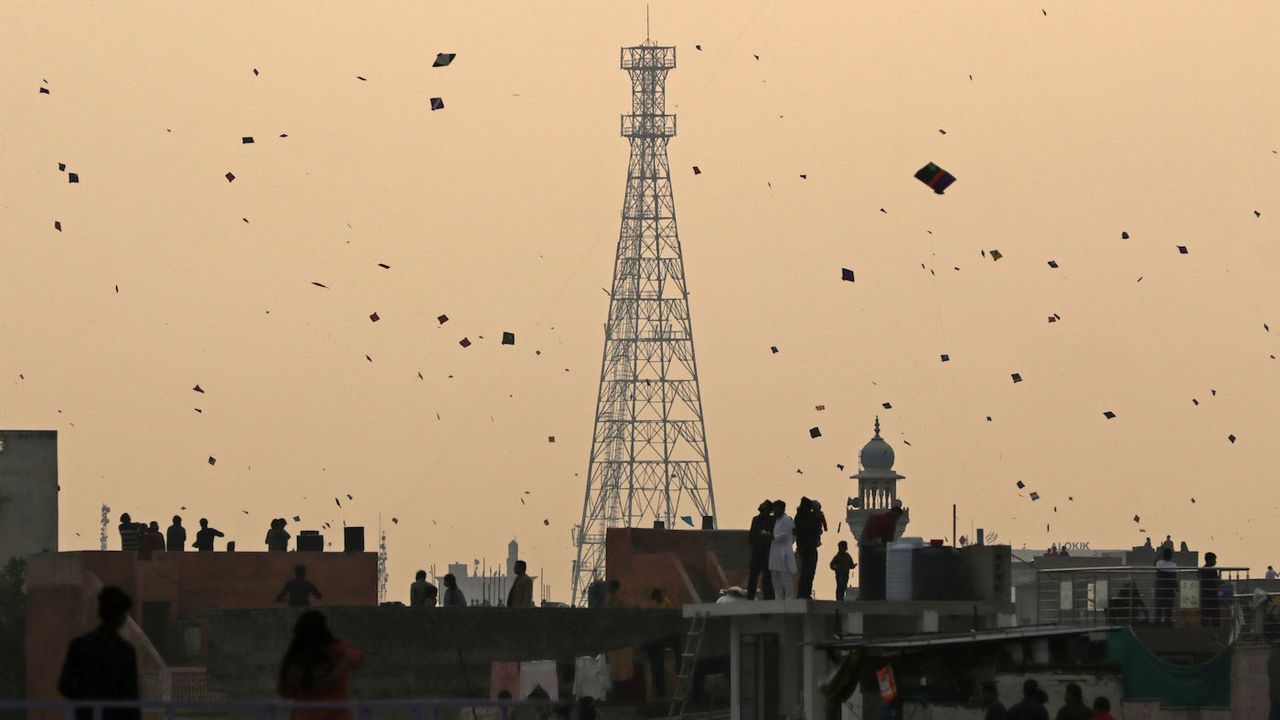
<point x="28" y="493"/>
<point x="689" y="566"/>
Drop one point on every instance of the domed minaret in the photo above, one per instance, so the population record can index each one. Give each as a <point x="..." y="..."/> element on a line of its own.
<point x="877" y="487"/>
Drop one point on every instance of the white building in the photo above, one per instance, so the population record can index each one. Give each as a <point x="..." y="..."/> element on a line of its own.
<point x="877" y="487"/>
<point x="481" y="584"/>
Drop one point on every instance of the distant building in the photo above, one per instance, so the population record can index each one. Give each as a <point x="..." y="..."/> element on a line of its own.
<point x="28" y="493"/>
<point x="482" y="585"/>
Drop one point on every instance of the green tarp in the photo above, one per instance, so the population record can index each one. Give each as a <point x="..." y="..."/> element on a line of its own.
<point x="1148" y="677"/>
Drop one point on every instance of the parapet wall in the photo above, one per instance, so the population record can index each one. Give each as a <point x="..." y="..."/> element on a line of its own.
<point x="430" y="652"/>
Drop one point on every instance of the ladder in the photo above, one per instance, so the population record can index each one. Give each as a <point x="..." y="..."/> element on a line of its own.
<point x="688" y="663"/>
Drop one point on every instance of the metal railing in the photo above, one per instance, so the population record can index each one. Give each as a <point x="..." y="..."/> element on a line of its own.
<point x="1108" y="596"/>
<point x="424" y="709"/>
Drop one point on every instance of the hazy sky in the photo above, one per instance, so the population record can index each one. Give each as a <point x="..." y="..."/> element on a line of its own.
<point x="1159" y="119"/>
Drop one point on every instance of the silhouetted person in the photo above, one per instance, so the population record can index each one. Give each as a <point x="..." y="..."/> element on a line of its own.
<point x="1064" y="552"/>
<point x="1166" y="586"/>
<point x="1147" y="545"/>
<point x="596" y="593"/>
<point x="317" y="668"/>
<point x="1102" y="708"/>
<point x="205" y="536"/>
<point x="808" y="532"/>
<point x="1182" y="547"/>
<point x="782" y="558"/>
<point x="453" y="596"/>
<point x="422" y="594"/>
<point x="176" y="536"/>
<point x="842" y="563"/>
<point x="1168" y="542"/>
<point x="615" y="598"/>
<point x="1210" y="586"/>
<point x="759" y="538"/>
<point x="521" y="593"/>
<point x="299" y="590"/>
<point x="1030" y="707"/>
<point x="658" y="599"/>
<point x="992" y="707"/>
<point x="152" y="541"/>
<point x="1073" y="707"/>
<point x="130" y="534"/>
<point x="101" y="665"/>
<point x="277" y="536"/>
<point x="1271" y="573"/>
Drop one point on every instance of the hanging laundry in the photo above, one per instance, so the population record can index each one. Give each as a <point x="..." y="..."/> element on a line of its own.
<point x="539" y="673"/>
<point x="591" y="677"/>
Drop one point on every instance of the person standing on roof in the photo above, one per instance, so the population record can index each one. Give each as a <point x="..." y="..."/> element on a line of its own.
<point x="1166" y="586"/>
<point x="176" y="536"/>
<point x="453" y="596"/>
<point x="521" y="593"/>
<point x="782" y="558"/>
<point x="760" y="539"/>
<point x="299" y="590"/>
<point x="205" y="536"/>
<point x="1210" y="587"/>
<point x="130" y="534"/>
<point x="842" y="564"/>
<point x="808" y="533"/>
<point x="422" y="594"/>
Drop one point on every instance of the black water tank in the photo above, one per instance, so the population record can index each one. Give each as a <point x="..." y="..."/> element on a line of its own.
<point x="871" y="572"/>
<point x="310" y="541"/>
<point x="935" y="574"/>
<point x="353" y="539"/>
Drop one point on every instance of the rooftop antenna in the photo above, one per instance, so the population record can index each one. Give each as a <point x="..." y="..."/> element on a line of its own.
<point x="646" y="22"/>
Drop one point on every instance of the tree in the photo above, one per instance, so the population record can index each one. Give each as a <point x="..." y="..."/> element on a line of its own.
<point x="13" y="629"/>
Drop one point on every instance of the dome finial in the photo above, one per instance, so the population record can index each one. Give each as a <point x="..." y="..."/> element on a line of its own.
<point x="877" y="426"/>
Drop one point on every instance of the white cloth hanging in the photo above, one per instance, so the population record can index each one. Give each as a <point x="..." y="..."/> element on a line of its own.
<point x="591" y="677"/>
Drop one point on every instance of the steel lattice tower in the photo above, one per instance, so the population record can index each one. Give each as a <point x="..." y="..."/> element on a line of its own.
<point x="649" y="450"/>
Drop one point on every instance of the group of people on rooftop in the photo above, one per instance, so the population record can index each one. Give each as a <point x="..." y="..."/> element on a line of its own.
<point x="146" y="538"/>
<point x="423" y="594"/>
<point x="784" y="551"/>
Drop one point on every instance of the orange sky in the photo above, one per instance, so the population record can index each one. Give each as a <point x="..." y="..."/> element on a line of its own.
<point x="1159" y="119"/>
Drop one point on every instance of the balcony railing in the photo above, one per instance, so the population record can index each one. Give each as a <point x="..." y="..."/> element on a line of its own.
<point x="1109" y="596"/>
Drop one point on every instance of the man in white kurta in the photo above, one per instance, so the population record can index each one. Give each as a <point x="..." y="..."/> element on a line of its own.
<point x="782" y="556"/>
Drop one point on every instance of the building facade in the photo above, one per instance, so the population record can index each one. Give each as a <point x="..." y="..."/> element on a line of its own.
<point x="28" y="493"/>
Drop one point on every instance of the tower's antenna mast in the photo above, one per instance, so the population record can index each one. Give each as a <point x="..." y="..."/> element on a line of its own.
<point x="646" y="22"/>
<point x="649" y="450"/>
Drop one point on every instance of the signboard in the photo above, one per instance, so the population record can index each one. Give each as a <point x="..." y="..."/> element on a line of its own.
<point x="888" y="688"/>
